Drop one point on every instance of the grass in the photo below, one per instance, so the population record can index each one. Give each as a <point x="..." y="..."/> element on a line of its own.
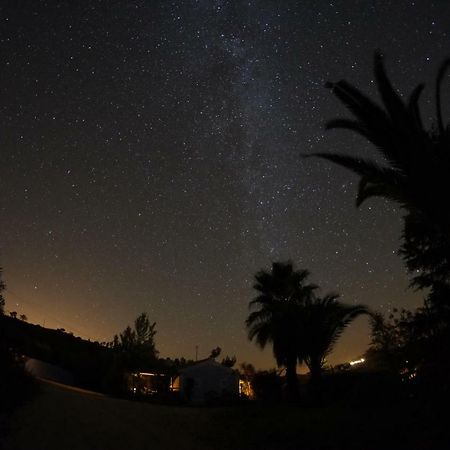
<point x="63" y="419"/>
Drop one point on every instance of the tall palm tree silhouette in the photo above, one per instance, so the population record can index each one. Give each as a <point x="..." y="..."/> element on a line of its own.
<point x="301" y="327"/>
<point x="282" y="293"/>
<point x="416" y="173"/>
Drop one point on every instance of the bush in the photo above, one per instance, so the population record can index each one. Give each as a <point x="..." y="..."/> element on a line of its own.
<point x="361" y="388"/>
<point x="267" y="386"/>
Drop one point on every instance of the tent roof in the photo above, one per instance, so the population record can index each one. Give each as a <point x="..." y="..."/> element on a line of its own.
<point x="206" y="364"/>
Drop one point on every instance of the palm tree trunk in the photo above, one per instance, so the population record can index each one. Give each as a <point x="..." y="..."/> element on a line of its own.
<point x="315" y="381"/>
<point x="292" y="380"/>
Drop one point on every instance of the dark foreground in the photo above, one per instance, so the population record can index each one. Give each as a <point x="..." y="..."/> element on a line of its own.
<point x="59" y="418"/>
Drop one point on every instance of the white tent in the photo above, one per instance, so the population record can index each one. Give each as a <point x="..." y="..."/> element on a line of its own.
<point x="208" y="380"/>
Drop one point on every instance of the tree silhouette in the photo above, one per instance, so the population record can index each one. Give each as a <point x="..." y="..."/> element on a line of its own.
<point x="247" y="369"/>
<point x="416" y="171"/>
<point x="414" y="341"/>
<point x="228" y="361"/>
<point x="281" y="295"/>
<point x="127" y="339"/>
<point x="215" y="352"/>
<point x="323" y="321"/>
<point x="145" y="333"/>
<point x="137" y="345"/>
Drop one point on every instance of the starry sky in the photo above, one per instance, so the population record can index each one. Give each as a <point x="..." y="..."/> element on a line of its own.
<point x="151" y="160"/>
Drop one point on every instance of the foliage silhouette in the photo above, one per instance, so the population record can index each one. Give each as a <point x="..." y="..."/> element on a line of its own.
<point x="415" y="175"/>
<point x="416" y="171"/>
<point x="215" y="352"/>
<point x="413" y="344"/>
<point x="267" y="386"/>
<point x="324" y="320"/>
<point x="228" y="361"/>
<point x="137" y="346"/>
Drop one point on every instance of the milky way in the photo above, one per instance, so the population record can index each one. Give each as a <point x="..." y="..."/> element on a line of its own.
<point x="151" y="159"/>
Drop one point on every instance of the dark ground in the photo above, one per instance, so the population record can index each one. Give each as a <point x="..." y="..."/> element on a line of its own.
<point x="69" y="419"/>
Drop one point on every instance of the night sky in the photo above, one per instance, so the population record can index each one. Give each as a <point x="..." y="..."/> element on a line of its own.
<point x="151" y="160"/>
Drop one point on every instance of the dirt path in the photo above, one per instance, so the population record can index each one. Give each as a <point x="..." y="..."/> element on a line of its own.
<point x="64" y="418"/>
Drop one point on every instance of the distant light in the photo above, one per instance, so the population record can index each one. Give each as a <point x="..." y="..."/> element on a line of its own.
<point x="357" y="361"/>
<point x="149" y="374"/>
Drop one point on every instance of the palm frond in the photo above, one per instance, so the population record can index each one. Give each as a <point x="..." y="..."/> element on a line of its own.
<point x="360" y="166"/>
<point x="377" y="187"/>
<point x="325" y="322"/>
<point x="359" y="104"/>
<point x="413" y="109"/>
<point x="391" y="100"/>
<point x="349" y="124"/>
<point x="444" y="66"/>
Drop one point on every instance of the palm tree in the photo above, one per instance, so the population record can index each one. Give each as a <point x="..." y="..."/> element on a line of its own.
<point x="417" y="164"/>
<point x="277" y="319"/>
<point x="324" y="320"/>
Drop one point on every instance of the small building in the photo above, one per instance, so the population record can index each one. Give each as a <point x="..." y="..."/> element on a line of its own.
<point x="148" y="383"/>
<point x="207" y="380"/>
